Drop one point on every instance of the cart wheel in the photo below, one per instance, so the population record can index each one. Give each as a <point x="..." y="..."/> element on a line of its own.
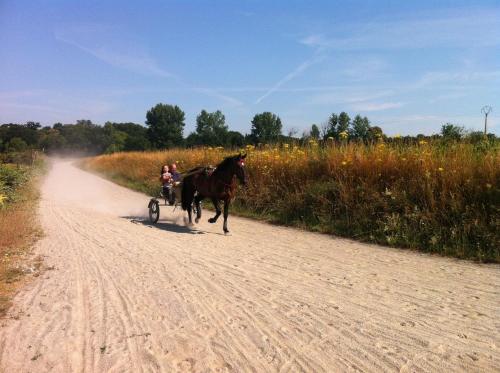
<point x="154" y="211"/>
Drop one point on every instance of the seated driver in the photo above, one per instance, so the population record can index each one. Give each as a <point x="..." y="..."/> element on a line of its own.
<point x="166" y="180"/>
<point x="176" y="179"/>
<point x="176" y="176"/>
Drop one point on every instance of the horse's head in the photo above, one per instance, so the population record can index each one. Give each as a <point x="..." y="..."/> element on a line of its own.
<point x="239" y="168"/>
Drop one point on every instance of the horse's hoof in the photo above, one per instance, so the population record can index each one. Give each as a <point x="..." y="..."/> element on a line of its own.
<point x="226" y="231"/>
<point x="196" y="220"/>
<point x="211" y="220"/>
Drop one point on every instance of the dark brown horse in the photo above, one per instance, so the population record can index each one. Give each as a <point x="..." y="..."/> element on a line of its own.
<point x="219" y="185"/>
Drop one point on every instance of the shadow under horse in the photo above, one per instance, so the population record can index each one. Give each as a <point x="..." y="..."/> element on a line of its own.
<point x="219" y="185"/>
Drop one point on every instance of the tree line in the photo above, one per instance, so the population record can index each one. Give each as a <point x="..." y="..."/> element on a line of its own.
<point x="165" y="129"/>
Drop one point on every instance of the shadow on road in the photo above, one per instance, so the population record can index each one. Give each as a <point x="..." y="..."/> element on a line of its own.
<point x="170" y="226"/>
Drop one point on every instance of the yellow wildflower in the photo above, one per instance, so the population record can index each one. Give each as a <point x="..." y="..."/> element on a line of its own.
<point x="2" y="198"/>
<point x="440" y="169"/>
<point x="488" y="185"/>
<point x="344" y="163"/>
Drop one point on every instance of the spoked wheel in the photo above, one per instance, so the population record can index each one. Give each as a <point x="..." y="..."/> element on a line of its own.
<point x="154" y="210"/>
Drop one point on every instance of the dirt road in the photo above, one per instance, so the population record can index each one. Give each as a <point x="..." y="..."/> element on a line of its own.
<point x="123" y="296"/>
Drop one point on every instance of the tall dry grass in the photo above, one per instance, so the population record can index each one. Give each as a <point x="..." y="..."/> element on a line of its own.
<point x="19" y="227"/>
<point x="438" y="197"/>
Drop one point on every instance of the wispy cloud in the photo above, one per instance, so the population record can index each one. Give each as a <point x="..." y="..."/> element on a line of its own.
<point x="34" y="108"/>
<point x="346" y="95"/>
<point x="294" y="73"/>
<point x="434" y="77"/>
<point x="142" y="64"/>
<point x="373" y="106"/>
<point x="368" y="68"/>
<point x="456" y="29"/>
<point x="213" y="93"/>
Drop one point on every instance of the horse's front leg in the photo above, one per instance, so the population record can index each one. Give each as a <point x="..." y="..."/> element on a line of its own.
<point x="197" y="201"/>
<point x="189" y="215"/>
<point x="216" y="203"/>
<point x="226" y="214"/>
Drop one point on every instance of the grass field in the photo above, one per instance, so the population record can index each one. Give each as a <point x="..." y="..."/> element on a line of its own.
<point x="18" y="227"/>
<point x="436" y="197"/>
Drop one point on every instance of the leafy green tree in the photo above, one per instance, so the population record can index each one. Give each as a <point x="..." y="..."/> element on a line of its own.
<point x="331" y="128"/>
<point x="336" y="125"/>
<point x="452" y="132"/>
<point x="266" y="127"/>
<point x="193" y="139"/>
<point x="16" y="144"/>
<point x="51" y="140"/>
<point x="314" y="131"/>
<point x="86" y="137"/>
<point x="11" y="130"/>
<point x="375" y="133"/>
<point x="33" y="125"/>
<point x="165" y="125"/>
<point x="344" y="122"/>
<point x="84" y="122"/>
<point x="235" y="139"/>
<point x="476" y="137"/>
<point x="137" y="137"/>
<point x="360" y="128"/>
<point x="211" y="128"/>
<point x="116" y="139"/>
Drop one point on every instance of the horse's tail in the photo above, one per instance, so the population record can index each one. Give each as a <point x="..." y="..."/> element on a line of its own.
<point x="187" y="193"/>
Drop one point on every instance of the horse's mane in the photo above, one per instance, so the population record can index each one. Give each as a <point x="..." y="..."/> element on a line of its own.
<point x="225" y="164"/>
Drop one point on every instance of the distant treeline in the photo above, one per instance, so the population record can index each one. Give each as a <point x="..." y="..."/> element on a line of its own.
<point x="165" y="129"/>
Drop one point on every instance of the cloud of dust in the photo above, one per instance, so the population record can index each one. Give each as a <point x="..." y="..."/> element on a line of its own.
<point x="78" y="188"/>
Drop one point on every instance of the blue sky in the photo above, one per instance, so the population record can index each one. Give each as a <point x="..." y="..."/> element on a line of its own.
<point x="410" y="66"/>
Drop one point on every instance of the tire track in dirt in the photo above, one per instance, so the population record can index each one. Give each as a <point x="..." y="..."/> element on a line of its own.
<point x="128" y="297"/>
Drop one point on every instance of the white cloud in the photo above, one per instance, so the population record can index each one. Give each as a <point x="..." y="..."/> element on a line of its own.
<point x="347" y="95"/>
<point x="296" y="72"/>
<point x="434" y="77"/>
<point x="453" y="29"/>
<point x="373" y="106"/>
<point x="213" y="93"/>
<point x="142" y="64"/>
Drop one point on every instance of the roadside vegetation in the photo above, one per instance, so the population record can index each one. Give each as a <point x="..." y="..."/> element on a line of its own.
<point x="19" y="227"/>
<point x="438" y="196"/>
<point x="437" y="193"/>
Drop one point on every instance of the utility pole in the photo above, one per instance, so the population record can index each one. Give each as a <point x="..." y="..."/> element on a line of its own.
<point x="486" y="110"/>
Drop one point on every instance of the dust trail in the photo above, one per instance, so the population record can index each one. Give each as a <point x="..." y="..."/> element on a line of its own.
<point x="69" y="185"/>
<point x="125" y="296"/>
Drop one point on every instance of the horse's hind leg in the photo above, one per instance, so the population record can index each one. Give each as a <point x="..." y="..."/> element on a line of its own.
<point x="197" y="200"/>
<point x="216" y="203"/>
<point x="190" y="222"/>
<point x="226" y="214"/>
